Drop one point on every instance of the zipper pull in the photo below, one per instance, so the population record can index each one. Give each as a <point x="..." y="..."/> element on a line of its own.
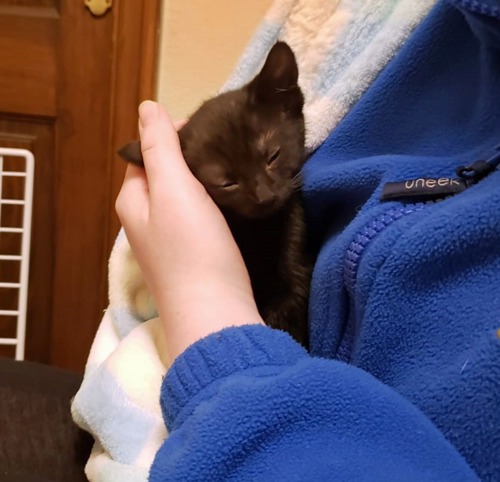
<point x="476" y="171"/>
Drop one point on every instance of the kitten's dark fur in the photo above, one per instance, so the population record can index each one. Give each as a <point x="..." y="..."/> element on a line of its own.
<point x="247" y="147"/>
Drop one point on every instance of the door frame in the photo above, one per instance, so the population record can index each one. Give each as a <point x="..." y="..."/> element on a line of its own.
<point x="138" y="46"/>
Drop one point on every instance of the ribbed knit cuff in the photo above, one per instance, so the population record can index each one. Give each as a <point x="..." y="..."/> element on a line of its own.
<point x="219" y="355"/>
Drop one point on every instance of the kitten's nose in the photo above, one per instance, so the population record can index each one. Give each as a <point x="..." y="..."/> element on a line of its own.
<point x="264" y="195"/>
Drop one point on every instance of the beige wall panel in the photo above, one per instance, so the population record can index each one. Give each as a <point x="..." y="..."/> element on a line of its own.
<point x="201" y="40"/>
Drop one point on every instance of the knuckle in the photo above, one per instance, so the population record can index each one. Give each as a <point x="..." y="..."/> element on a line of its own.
<point x="119" y="205"/>
<point x="150" y="150"/>
<point x="122" y="204"/>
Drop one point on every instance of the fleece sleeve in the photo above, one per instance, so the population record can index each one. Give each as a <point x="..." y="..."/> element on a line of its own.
<point x="250" y="404"/>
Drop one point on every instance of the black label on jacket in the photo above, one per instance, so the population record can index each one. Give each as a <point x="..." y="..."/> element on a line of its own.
<point x="422" y="188"/>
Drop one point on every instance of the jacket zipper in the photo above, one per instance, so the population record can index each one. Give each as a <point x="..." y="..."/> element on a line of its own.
<point x="470" y="175"/>
<point x="351" y="264"/>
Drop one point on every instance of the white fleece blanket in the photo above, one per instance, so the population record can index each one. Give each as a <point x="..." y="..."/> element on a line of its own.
<point x="341" y="46"/>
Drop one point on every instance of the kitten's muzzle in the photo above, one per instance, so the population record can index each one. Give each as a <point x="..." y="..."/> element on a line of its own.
<point x="264" y="195"/>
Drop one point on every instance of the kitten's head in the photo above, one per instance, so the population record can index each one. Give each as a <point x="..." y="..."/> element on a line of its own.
<point x="247" y="146"/>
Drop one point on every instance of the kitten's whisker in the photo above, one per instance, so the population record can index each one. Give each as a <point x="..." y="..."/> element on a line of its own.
<point x="296" y="182"/>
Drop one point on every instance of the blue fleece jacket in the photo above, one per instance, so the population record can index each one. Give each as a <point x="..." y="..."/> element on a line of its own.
<point x="403" y="379"/>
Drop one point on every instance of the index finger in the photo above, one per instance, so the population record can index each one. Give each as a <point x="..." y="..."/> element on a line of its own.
<point x="133" y="198"/>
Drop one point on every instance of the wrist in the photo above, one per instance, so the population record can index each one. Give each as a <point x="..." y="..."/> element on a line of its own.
<point x="191" y="312"/>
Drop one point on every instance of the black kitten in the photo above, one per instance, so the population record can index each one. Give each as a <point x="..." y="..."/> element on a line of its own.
<point x="247" y="148"/>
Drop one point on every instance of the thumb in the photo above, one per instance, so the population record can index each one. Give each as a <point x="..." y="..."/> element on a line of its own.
<point x="163" y="160"/>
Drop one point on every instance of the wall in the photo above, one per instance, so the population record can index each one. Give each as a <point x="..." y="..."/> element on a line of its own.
<point x="200" y="42"/>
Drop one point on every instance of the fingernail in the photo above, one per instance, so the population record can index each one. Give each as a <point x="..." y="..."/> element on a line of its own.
<point x="147" y="110"/>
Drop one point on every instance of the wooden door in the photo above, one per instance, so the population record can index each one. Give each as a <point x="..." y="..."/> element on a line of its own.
<point x="70" y="84"/>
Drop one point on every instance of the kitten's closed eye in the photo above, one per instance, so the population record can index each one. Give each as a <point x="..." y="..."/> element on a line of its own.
<point x="273" y="156"/>
<point x="228" y="184"/>
<point x="214" y="176"/>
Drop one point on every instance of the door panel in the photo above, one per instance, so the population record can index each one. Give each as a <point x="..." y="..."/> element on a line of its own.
<point x="28" y="49"/>
<point x="70" y="84"/>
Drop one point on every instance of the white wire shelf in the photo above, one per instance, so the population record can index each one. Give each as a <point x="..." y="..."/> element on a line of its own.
<point x="26" y="162"/>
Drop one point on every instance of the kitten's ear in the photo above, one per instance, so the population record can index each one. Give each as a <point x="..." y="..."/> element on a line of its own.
<point x="132" y="153"/>
<point x="277" y="82"/>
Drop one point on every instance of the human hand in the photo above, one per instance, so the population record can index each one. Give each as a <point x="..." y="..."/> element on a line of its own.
<point x="181" y="240"/>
